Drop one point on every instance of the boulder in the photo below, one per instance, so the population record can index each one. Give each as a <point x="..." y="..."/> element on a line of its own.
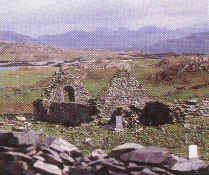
<point x="191" y="165"/>
<point x="98" y="154"/>
<point x="149" y="155"/>
<point x="192" y="101"/>
<point x="60" y="145"/>
<point x="127" y="147"/>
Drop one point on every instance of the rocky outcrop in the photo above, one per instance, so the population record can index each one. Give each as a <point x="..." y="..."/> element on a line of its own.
<point x="25" y="154"/>
<point x="194" y="107"/>
<point x="189" y="65"/>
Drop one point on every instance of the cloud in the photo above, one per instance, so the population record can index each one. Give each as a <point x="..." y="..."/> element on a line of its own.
<point x="37" y="17"/>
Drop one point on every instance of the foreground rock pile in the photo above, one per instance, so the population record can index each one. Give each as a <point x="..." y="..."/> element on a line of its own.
<point x="21" y="153"/>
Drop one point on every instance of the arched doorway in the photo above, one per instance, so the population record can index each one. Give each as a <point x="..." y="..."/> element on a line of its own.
<point x="71" y="93"/>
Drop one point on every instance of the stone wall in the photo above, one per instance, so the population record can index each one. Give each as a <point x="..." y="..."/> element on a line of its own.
<point x="70" y="114"/>
<point x="123" y="90"/>
<point x="54" y="93"/>
<point x="24" y="154"/>
<point x="189" y="65"/>
<point x="52" y="106"/>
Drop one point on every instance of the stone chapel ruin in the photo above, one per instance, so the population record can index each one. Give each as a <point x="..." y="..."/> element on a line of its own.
<point x="53" y="107"/>
<point x="123" y="92"/>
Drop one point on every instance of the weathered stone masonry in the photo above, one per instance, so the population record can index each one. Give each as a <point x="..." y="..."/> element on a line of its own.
<point x="21" y="153"/>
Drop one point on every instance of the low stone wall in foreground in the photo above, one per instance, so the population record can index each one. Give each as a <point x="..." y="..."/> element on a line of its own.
<point x="22" y="153"/>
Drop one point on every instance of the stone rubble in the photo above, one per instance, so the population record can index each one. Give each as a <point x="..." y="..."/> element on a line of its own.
<point x="193" y="107"/>
<point x="191" y="64"/>
<point x="25" y="154"/>
<point x="154" y="113"/>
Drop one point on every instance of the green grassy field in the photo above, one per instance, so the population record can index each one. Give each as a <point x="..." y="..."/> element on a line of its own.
<point x="16" y="88"/>
<point x="175" y="138"/>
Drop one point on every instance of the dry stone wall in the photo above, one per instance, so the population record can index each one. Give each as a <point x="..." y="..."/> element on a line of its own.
<point x="123" y="90"/>
<point x="55" y="90"/>
<point x="22" y="153"/>
<point x="52" y="107"/>
<point x="81" y="93"/>
<point x="193" y="64"/>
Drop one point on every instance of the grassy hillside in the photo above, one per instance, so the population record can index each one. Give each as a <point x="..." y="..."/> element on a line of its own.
<point x="145" y="72"/>
<point x="28" y="52"/>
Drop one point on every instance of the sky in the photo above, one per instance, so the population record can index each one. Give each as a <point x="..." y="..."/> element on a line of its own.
<point x="38" y="17"/>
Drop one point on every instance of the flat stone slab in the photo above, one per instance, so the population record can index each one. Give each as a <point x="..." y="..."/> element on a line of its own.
<point x="60" y="146"/>
<point x="184" y="165"/>
<point x="127" y="147"/>
<point x="150" y="155"/>
<point x="47" y="168"/>
<point x="13" y="156"/>
<point x="192" y="101"/>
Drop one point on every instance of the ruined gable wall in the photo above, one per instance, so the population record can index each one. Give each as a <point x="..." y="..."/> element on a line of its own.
<point x="123" y="90"/>
<point x="55" y="90"/>
<point x="53" y="108"/>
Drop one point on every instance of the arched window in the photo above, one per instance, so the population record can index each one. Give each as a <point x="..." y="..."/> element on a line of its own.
<point x="71" y="93"/>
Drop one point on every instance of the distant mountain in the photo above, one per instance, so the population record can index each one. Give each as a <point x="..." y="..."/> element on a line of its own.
<point x="196" y="29"/>
<point x="148" y="30"/>
<point x="16" y="37"/>
<point x="147" y="38"/>
<point x="108" y="39"/>
<point x="195" y="43"/>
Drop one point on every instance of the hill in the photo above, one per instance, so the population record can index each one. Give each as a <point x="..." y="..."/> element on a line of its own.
<point x="17" y="37"/>
<point x="121" y="39"/>
<point x="149" y="39"/>
<point x="10" y="51"/>
<point x="195" y="43"/>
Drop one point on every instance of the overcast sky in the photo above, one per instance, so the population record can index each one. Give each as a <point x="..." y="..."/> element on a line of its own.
<point x="37" y="17"/>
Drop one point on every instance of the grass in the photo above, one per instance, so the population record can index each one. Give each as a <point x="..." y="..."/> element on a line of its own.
<point x="188" y="94"/>
<point x="166" y="90"/>
<point x="26" y="97"/>
<point x="175" y="137"/>
<point x="16" y="87"/>
<point x="24" y="78"/>
<point x="94" y="87"/>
